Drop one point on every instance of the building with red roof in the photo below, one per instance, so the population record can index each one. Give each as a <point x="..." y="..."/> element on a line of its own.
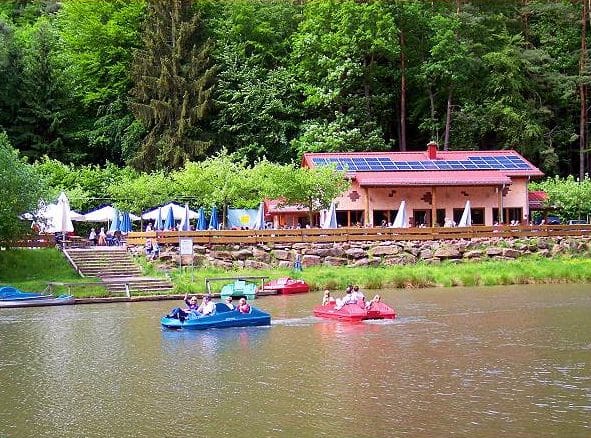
<point x="435" y="186"/>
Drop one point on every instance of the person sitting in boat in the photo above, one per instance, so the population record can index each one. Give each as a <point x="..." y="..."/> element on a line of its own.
<point x="182" y="314"/>
<point x="373" y="302"/>
<point x="207" y="306"/>
<point x="357" y="295"/>
<point x="243" y="306"/>
<point x="347" y="299"/>
<point x="229" y="303"/>
<point x="326" y="299"/>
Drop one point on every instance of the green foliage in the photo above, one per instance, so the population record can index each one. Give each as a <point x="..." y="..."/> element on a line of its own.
<point x="21" y="187"/>
<point x="570" y="197"/>
<point x="173" y="79"/>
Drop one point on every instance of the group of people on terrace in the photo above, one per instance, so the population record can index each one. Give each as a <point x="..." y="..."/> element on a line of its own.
<point x="207" y="307"/>
<point x="353" y="295"/>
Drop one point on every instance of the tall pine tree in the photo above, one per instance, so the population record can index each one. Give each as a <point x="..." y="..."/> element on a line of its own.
<point x="173" y="81"/>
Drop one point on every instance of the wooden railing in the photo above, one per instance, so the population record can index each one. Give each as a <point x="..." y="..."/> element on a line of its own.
<point x="316" y="235"/>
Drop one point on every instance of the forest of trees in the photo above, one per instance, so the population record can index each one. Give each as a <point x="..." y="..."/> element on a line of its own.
<point x="154" y="84"/>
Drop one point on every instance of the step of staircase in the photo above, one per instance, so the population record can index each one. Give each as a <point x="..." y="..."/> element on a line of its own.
<point x="137" y="285"/>
<point x="117" y="270"/>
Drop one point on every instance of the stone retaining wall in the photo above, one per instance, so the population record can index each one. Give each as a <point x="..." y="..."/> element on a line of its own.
<point x="376" y="253"/>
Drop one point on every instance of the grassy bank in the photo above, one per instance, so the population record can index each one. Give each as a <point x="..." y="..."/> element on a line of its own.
<point x="31" y="270"/>
<point x="487" y="273"/>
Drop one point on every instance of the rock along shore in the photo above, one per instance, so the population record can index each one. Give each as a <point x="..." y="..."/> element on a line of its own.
<point x="387" y="253"/>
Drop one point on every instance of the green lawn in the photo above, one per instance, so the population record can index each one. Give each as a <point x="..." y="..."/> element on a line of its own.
<point x="31" y="269"/>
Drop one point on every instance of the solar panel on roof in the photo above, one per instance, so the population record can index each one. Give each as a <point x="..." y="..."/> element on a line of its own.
<point x="499" y="162"/>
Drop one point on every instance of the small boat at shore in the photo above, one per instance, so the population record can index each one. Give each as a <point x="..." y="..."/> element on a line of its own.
<point x="11" y="297"/>
<point x="239" y="288"/>
<point x="223" y="317"/>
<point x="287" y="286"/>
<point x="355" y="312"/>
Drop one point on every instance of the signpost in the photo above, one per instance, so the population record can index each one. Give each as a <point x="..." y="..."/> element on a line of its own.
<point x="185" y="249"/>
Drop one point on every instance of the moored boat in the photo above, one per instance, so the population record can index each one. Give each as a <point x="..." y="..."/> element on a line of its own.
<point x="355" y="311"/>
<point x="12" y="297"/>
<point x="223" y="317"/>
<point x="239" y="288"/>
<point x="286" y="286"/>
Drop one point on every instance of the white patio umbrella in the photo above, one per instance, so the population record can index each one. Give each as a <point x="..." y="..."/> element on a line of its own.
<point x="61" y="221"/>
<point x="330" y="218"/>
<point x="401" y="219"/>
<point x="466" y="220"/>
<point x="259" y="223"/>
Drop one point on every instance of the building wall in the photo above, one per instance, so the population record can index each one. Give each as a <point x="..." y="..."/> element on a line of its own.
<point x="446" y="197"/>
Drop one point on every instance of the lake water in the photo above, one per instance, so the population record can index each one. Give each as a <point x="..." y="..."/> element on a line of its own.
<point x="478" y="362"/>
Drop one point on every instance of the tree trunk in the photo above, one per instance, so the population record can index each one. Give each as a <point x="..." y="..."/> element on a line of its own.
<point x="448" y="120"/>
<point x="583" y="91"/>
<point x="402" y="95"/>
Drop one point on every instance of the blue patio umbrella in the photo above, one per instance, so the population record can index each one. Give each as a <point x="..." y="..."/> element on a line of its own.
<point x="158" y="221"/>
<point x="125" y="222"/>
<point x="213" y="220"/>
<point x="201" y="221"/>
<point x="185" y="226"/>
<point x="115" y="222"/>
<point x="169" y="223"/>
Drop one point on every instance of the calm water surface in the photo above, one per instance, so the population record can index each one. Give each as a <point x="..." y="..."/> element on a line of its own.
<point x="458" y="362"/>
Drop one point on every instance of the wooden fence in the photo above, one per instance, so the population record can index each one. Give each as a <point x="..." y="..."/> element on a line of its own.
<point x="316" y="235"/>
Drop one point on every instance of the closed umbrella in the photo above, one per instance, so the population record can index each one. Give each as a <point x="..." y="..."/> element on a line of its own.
<point x="401" y="219"/>
<point x="259" y="224"/>
<point x="466" y="219"/>
<point x="201" y="221"/>
<point x="213" y="220"/>
<point x="61" y="219"/>
<point x="115" y="222"/>
<point x="169" y="223"/>
<point x="330" y="220"/>
<point x="158" y="223"/>
<point x="126" y="222"/>
<point x="185" y="226"/>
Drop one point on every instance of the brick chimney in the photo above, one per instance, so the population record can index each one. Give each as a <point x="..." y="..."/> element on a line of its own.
<point x="432" y="150"/>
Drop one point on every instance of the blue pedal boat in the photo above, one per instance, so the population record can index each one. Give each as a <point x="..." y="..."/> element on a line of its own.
<point x="223" y="317"/>
<point x="13" y="297"/>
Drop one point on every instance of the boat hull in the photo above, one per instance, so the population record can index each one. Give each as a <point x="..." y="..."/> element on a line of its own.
<point x="222" y="318"/>
<point x="355" y="312"/>
<point x="12" y="297"/>
<point x="287" y="286"/>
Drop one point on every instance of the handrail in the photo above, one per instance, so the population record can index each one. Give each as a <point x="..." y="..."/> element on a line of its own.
<point x="376" y="234"/>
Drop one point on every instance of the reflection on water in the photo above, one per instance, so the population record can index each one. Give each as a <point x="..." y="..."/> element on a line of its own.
<point x="464" y="362"/>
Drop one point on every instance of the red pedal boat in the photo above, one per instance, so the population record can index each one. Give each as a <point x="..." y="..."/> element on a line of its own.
<point x="286" y="285"/>
<point x="355" y="311"/>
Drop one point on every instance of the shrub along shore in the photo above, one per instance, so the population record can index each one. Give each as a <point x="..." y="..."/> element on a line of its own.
<point x="31" y="270"/>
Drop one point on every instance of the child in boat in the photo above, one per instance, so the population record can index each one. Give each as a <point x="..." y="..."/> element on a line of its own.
<point x="243" y="306"/>
<point x="326" y="299"/>
<point x="374" y="301"/>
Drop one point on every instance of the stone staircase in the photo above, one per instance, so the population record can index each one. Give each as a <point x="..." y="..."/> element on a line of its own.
<point x="116" y="269"/>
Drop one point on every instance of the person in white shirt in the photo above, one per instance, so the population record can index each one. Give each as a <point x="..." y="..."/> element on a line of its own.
<point x="207" y="306"/>
<point x="347" y="299"/>
<point x="357" y="294"/>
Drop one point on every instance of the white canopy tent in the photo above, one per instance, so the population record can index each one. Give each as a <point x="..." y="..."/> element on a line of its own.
<point x="104" y="214"/>
<point x="178" y="212"/>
